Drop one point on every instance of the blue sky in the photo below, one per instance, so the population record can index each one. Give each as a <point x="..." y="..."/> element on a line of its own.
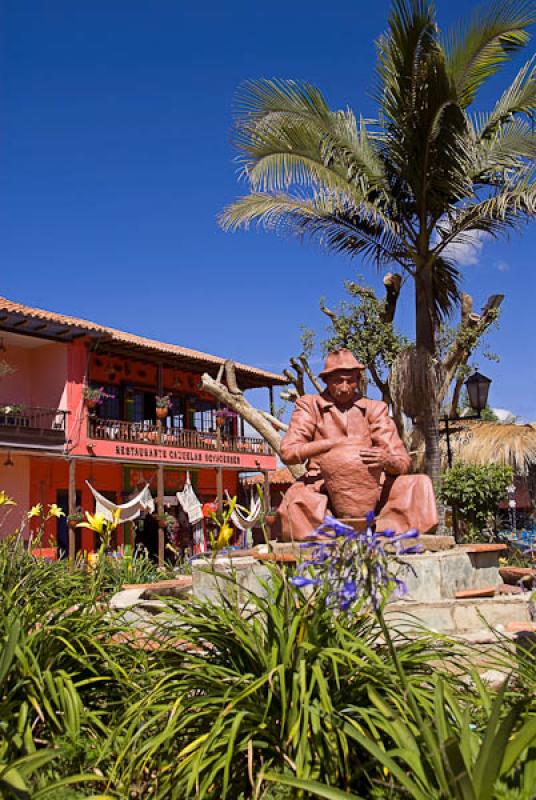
<point x="115" y="159"/>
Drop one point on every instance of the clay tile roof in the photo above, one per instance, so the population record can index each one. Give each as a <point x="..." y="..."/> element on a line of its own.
<point x="276" y="477"/>
<point x="10" y="310"/>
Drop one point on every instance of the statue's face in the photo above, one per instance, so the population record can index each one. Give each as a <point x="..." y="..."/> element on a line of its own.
<point x="343" y="385"/>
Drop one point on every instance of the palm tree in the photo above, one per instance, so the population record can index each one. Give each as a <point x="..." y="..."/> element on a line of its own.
<point x="402" y="189"/>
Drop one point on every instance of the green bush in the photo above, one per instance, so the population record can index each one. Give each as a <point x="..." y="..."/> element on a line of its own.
<point x="475" y="491"/>
<point x="232" y="697"/>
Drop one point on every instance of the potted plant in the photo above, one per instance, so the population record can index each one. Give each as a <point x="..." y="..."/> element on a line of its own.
<point x="163" y="404"/>
<point x="223" y="414"/>
<point x="74" y="519"/>
<point x="270" y="517"/>
<point x="14" y="409"/>
<point x="94" y="396"/>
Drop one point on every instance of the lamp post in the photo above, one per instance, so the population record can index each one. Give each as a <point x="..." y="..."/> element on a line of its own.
<point x="477" y="386"/>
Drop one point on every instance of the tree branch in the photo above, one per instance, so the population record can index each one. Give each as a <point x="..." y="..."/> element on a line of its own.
<point x="256" y="418"/>
<point x="393" y="284"/>
<point x="230" y="377"/>
<point x="308" y="371"/>
<point x="472" y="328"/>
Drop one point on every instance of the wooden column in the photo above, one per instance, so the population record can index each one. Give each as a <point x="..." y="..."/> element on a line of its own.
<point x="266" y="490"/>
<point x="219" y="488"/>
<point x="71" y="508"/>
<point x="272" y="404"/>
<point x="160" y="510"/>
<point x="219" y="473"/>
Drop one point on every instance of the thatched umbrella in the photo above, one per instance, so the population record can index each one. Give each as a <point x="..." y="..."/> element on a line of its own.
<point x="476" y="442"/>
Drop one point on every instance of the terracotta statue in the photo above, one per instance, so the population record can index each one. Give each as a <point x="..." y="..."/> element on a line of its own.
<point x="356" y="460"/>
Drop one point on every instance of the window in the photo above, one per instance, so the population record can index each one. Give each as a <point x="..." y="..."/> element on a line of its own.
<point x="110" y="407"/>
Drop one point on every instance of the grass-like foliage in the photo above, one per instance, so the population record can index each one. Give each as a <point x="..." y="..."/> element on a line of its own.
<point x="283" y="698"/>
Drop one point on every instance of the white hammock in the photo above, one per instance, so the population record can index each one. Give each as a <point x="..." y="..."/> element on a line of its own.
<point x="193" y="509"/>
<point x="129" y="511"/>
<point x="190" y="503"/>
<point x="243" y="522"/>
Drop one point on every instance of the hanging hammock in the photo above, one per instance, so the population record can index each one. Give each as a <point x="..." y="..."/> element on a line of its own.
<point x="243" y="522"/>
<point x="193" y="509"/>
<point x="129" y="511"/>
<point x="190" y="503"/>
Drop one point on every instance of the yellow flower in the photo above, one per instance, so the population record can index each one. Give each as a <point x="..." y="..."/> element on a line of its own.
<point x="5" y="500"/>
<point x="95" y="522"/>
<point x="224" y="536"/>
<point x="55" y="511"/>
<point x="116" y="519"/>
<point x="35" y="511"/>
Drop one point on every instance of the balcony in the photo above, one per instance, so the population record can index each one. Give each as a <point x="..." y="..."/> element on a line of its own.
<point x="23" y="425"/>
<point x="152" y="434"/>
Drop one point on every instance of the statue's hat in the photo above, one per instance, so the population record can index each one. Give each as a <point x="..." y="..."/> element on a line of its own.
<point x="338" y="360"/>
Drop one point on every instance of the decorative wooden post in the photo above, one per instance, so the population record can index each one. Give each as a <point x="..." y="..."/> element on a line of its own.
<point x="160" y="510"/>
<point x="267" y="497"/>
<point x="71" y="508"/>
<point x="219" y="473"/>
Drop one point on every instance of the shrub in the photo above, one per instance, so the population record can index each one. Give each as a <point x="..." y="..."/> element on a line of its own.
<point x="475" y="491"/>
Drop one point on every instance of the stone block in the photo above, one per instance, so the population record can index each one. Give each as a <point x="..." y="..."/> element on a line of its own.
<point x="438" y="576"/>
<point x="231" y="578"/>
<point x="459" y="616"/>
<point x="405" y="615"/>
<point x="495" y="611"/>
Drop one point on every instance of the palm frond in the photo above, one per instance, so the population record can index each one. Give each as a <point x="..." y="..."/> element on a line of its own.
<point x="427" y="139"/>
<point x="506" y="210"/>
<point x="283" y="117"/>
<point x="507" y="152"/>
<point x="446" y="287"/>
<point x="342" y="228"/>
<point x="495" y="33"/>
<point x="519" y="98"/>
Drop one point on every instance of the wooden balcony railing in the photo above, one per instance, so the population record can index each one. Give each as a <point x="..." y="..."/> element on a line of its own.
<point x="26" y="424"/>
<point x="152" y="433"/>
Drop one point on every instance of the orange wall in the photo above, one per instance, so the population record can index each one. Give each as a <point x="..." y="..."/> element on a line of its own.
<point x="47" y="476"/>
<point x="50" y="475"/>
<point x="15" y="481"/>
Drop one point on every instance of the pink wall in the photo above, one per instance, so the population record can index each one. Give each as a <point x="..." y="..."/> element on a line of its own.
<point x="16" y="388"/>
<point x="39" y="377"/>
<point x="15" y="481"/>
<point x="48" y="366"/>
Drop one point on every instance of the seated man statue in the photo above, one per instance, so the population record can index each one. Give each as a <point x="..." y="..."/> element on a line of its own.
<point x="356" y="460"/>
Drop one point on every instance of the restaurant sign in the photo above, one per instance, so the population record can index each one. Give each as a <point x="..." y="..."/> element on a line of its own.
<point x="179" y="456"/>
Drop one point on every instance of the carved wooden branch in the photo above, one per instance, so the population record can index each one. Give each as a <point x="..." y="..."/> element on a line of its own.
<point x="309" y="372"/>
<point x="230" y="376"/>
<point x="280" y="426"/>
<point x="460" y="351"/>
<point x="393" y="284"/>
<point x="256" y="418"/>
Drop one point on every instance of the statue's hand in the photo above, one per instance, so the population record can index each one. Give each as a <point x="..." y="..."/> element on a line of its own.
<point x="373" y="456"/>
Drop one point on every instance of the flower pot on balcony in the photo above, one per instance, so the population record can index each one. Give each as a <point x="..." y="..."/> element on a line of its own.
<point x="161" y="412"/>
<point x="91" y="404"/>
<point x="271" y="518"/>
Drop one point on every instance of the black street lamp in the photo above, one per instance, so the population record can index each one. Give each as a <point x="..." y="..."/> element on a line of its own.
<point x="477" y="386"/>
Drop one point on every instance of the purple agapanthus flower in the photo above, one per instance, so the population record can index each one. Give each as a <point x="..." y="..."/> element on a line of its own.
<point x="353" y="565"/>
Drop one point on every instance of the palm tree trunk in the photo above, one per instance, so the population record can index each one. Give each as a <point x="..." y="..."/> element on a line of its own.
<point x="425" y="343"/>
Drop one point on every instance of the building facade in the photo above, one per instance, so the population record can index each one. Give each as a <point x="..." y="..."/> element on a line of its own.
<point x="53" y="439"/>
